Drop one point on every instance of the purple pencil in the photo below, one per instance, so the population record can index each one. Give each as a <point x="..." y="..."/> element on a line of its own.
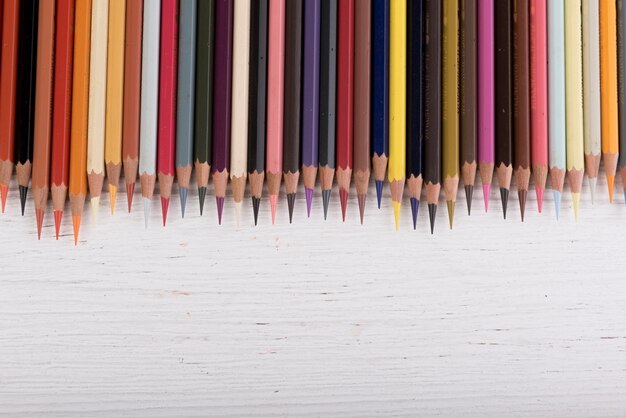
<point x="486" y="91"/>
<point x="310" y="97"/>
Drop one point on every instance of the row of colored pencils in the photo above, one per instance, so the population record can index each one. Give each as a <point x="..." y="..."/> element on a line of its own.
<point x="428" y="92"/>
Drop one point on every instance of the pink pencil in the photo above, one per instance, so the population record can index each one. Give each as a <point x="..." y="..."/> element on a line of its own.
<point x="486" y="91"/>
<point x="539" y="96"/>
<point x="275" y="88"/>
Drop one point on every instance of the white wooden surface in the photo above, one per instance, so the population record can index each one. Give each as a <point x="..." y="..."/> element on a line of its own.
<point x="495" y="318"/>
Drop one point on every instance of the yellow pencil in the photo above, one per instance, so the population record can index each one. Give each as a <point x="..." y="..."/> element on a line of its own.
<point x="115" y="96"/>
<point x="397" y="102"/>
<point x="574" y="100"/>
<point x="608" y="90"/>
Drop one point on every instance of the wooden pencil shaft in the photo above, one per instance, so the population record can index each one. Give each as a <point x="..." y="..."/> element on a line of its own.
<point x="328" y="83"/>
<point x="8" y="78"/>
<point x="503" y="81"/>
<point x="468" y="80"/>
<point x="432" y="92"/>
<point x="345" y="85"/>
<point x="293" y="77"/>
<point x="132" y="80"/>
<point x="203" y="120"/>
<point x="380" y="77"/>
<point x="185" y="99"/>
<point x="521" y="86"/>
<point x="414" y="100"/>
<point x="397" y="90"/>
<point x="258" y="87"/>
<point x="450" y="91"/>
<point x="362" y="84"/>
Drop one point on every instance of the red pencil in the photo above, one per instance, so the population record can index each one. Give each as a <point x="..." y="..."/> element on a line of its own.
<point x="345" y="100"/>
<point x="63" y="60"/>
<point x="167" y="101"/>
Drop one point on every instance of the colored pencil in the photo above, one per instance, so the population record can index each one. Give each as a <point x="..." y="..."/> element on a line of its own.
<point x="185" y="100"/>
<point x="132" y="95"/>
<point x="257" y="104"/>
<point x="239" y="121"/>
<point x="574" y="103"/>
<point x="432" y="107"/>
<point x="114" y="97"/>
<point x="43" y="109"/>
<point x="25" y="112"/>
<point x="80" y="113"/>
<point x="556" y="99"/>
<point x="310" y="97"/>
<point x="380" y="93"/>
<point x="486" y="96"/>
<point x="521" y="97"/>
<point x="345" y="101"/>
<point x="222" y="71"/>
<point x="203" y="120"/>
<point x="414" y="105"/>
<point x="539" y="96"/>
<point x="275" y="100"/>
<point x="503" y="62"/>
<point x="468" y="91"/>
<point x="608" y="89"/>
<point x="328" y="95"/>
<point x="621" y="53"/>
<point x="291" y="120"/>
<point x="362" y="96"/>
<point x="591" y="91"/>
<point x="450" y="107"/>
<point x="8" y="96"/>
<point x="168" y="62"/>
<point x="61" y="109"/>
<point x="149" y="102"/>
<point x="97" y="102"/>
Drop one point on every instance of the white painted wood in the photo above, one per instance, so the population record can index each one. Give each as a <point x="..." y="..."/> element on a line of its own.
<point x="286" y="320"/>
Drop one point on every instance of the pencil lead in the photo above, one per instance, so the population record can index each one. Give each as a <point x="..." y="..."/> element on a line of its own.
<point x="325" y="201"/>
<point x="415" y="205"/>
<point x="219" y="201"/>
<point x="76" y="228"/>
<point x="23" y="194"/>
<point x="469" y="194"/>
<point x="95" y="208"/>
<point x="450" y="212"/>
<point x="539" y="192"/>
<point x="4" y="190"/>
<point x="256" y="203"/>
<point x="486" y="194"/>
<point x="130" y="191"/>
<point x="343" y="198"/>
<point x="39" y="215"/>
<point x="165" y="204"/>
<point x="432" y="213"/>
<point x="576" y="204"/>
<point x="183" y="200"/>
<point x="309" y="200"/>
<point x="362" y="198"/>
<point x="592" y="187"/>
<point x="522" y="194"/>
<point x="557" y="203"/>
<point x="238" y="213"/>
<point x="610" y="180"/>
<point x="396" y="213"/>
<point x="201" y="197"/>
<point x="504" y="197"/>
<point x="379" y="191"/>
<point x="273" y="202"/>
<point x="146" y="211"/>
<point x="291" y="200"/>
<point x="112" y="196"/>
<point x="58" y="215"/>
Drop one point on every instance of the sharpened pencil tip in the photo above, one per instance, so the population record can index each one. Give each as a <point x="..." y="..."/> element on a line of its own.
<point x="112" y="197"/>
<point x="309" y="200"/>
<point x="522" y="194"/>
<point x="165" y="204"/>
<point x="130" y="191"/>
<point x="273" y="204"/>
<point x="183" y="191"/>
<point x="450" y="204"/>
<point x="219" y="202"/>
<point x="76" y="228"/>
<point x="557" y="203"/>
<point x="396" y="214"/>
<point x="415" y="205"/>
<point x="539" y="192"/>
<point x="610" y="180"/>
<point x="504" y="197"/>
<point x="146" y="211"/>
<point x="486" y="194"/>
<point x="379" y="191"/>
<point x="4" y="191"/>
<point x="592" y="188"/>
<point x="576" y="204"/>
<point x="23" y="193"/>
<point x="39" y="215"/>
<point x="343" y="198"/>
<point x="432" y="214"/>
<point x="256" y="203"/>
<point x="291" y="200"/>
<point x="325" y="201"/>
<point x="362" y="199"/>
<point x="201" y="197"/>
<point x="58" y="216"/>
<point x="469" y="194"/>
<point x="95" y="209"/>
